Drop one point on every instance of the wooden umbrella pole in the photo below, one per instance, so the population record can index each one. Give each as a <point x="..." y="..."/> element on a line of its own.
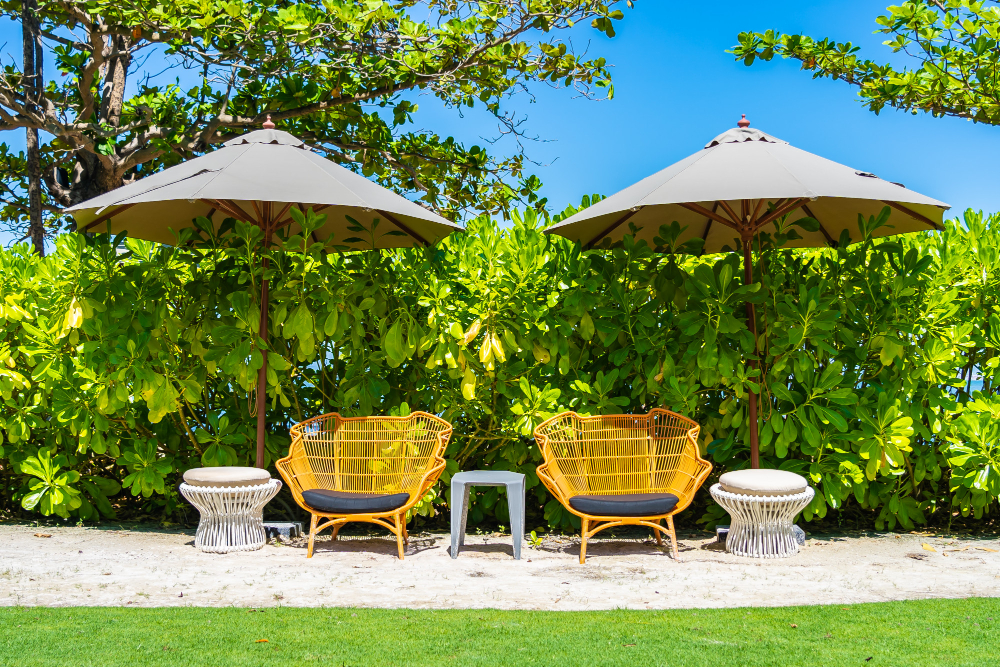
<point x="262" y="332"/>
<point x="752" y="325"/>
<point x="751" y="226"/>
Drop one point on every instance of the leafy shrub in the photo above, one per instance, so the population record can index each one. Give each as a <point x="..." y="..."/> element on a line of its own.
<point x="123" y="363"/>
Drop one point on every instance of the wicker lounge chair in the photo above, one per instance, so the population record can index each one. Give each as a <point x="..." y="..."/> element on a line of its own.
<point x="369" y="469"/>
<point x="622" y="469"/>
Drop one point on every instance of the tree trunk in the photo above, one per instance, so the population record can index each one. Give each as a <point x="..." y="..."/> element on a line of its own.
<point x="33" y="86"/>
<point x="115" y="73"/>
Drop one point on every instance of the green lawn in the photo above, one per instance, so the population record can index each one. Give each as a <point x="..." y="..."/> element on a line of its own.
<point x="929" y="632"/>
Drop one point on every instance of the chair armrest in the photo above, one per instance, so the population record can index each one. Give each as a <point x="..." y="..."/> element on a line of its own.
<point x="694" y="474"/>
<point x="285" y="469"/>
<point x="430" y="477"/>
<point x="428" y="480"/>
<point x="550" y="484"/>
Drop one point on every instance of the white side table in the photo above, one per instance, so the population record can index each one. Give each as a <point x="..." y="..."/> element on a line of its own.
<point x="762" y="505"/>
<point x="231" y="503"/>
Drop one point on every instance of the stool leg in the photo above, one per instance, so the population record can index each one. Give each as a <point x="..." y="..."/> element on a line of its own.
<point x="515" y="503"/>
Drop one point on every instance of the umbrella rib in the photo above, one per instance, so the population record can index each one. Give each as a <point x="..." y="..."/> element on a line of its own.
<point x="729" y="211"/>
<point x="240" y="213"/>
<point x="712" y="215"/>
<point x="110" y="214"/>
<point x="220" y="205"/>
<point x="913" y="214"/>
<point x="708" y="227"/>
<point x="211" y="212"/>
<point x="829" y="239"/>
<point x="708" y="222"/>
<point x="283" y="211"/>
<point x="778" y="212"/>
<point x="779" y="203"/>
<point x="420" y="239"/>
<point x="216" y="206"/>
<point x="622" y="220"/>
<point x="288" y="221"/>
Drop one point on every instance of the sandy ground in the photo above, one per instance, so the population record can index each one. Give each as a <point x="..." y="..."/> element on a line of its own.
<point x="100" y="566"/>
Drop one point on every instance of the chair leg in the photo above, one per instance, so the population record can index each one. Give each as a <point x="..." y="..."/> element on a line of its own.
<point x="585" y="525"/>
<point x="406" y="534"/>
<point x="659" y="538"/>
<point x="336" y="529"/>
<point x="312" y="535"/>
<point x="673" y="537"/>
<point x="399" y="535"/>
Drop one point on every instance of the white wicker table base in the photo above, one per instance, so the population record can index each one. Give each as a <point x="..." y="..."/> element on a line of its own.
<point x="231" y="516"/>
<point x="761" y="525"/>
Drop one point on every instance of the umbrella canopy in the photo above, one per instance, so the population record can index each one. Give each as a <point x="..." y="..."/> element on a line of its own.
<point x="720" y="194"/>
<point x="266" y="166"/>
<point x="740" y="184"/>
<point x="257" y="178"/>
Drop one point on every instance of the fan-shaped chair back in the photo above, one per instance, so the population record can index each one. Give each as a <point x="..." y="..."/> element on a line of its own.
<point x="366" y="454"/>
<point x="621" y="454"/>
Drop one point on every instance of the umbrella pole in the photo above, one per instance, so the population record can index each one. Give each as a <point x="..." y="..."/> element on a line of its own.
<point x="262" y="375"/>
<point x="752" y="325"/>
<point x="262" y="332"/>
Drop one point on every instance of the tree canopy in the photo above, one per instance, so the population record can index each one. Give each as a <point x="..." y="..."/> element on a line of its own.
<point x="341" y="74"/>
<point x="954" y="49"/>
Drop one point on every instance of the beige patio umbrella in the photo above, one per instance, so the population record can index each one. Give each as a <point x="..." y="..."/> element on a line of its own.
<point x="257" y="178"/>
<point x="739" y="184"/>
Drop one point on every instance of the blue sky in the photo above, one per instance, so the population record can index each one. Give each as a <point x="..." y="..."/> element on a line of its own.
<point x="676" y="88"/>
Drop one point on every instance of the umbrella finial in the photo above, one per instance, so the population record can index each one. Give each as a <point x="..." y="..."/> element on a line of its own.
<point x="742" y="122"/>
<point x="268" y="125"/>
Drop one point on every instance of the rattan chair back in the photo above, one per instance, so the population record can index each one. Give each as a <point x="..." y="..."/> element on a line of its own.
<point x="621" y="454"/>
<point x="366" y="454"/>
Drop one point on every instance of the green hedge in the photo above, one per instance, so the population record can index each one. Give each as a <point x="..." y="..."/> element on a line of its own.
<point x="123" y="363"/>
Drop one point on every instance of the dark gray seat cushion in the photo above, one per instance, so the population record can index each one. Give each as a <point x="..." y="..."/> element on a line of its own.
<point x="349" y="502"/>
<point x="628" y="504"/>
